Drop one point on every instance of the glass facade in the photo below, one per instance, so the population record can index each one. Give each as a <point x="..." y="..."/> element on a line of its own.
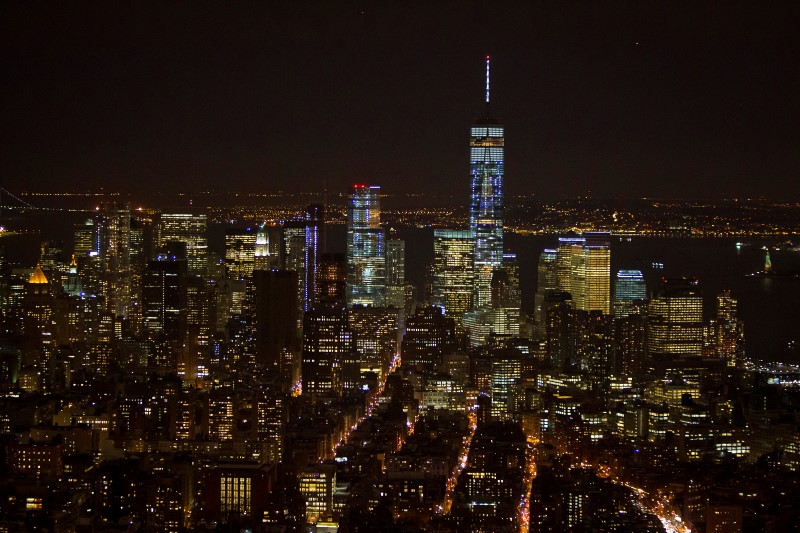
<point x="366" y="262"/>
<point x="453" y="271"/>
<point x="487" y="143"/>
<point x="629" y="287"/>
<point x="675" y="323"/>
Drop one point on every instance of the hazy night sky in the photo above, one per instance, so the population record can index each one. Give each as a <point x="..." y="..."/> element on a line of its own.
<point x="619" y="99"/>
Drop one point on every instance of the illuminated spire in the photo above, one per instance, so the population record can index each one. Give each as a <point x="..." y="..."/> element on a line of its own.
<point x="487" y="81"/>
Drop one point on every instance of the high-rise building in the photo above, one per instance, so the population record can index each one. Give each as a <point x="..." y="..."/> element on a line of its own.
<point x="727" y="329"/>
<point x="329" y="363"/>
<point x="332" y="279"/>
<point x="240" y="252"/>
<point x="547" y="280"/>
<point x="675" y="320"/>
<point x="570" y="247"/>
<point x="629" y="288"/>
<point x="268" y="248"/>
<point x="453" y="257"/>
<point x="366" y="262"/>
<point x="377" y="336"/>
<point x="315" y="219"/>
<point x="276" y="319"/>
<point x="487" y="146"/>
<point x="294" y="254"/>
<point x="429" y="335"/>
<point x="506" y="370"/>
<point x="164" y="297"/>
<point x="583" y="268"/>
<point x="395" y="272"/>
<point x="38" y="305"/>
<point x="86" y="238"/>
<point x="511" y="297"/>
<point x="597" y="253"/>
<point x="115" y="225"/>
<point x="190" y="228"/>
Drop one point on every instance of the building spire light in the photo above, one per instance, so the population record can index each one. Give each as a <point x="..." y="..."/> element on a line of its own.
<point x="487" y="79"/>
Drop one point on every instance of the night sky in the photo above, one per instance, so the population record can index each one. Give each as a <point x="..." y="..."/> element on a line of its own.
<point x="611" y="99"/>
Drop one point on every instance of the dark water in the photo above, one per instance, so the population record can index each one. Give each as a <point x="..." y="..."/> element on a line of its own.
<point x="770" y="307"/>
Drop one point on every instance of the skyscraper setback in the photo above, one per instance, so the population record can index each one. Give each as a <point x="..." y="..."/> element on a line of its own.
<point x="487" y="142"/>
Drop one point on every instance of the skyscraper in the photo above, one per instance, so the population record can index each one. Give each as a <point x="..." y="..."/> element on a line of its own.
<point x="190" y="228"/>
<point x="629" y="287"/>
<point x="487" y="141"/>
<point x="164" y="297"/>
<point x="583" y="267"/>
<point x="276" y="319"/>
<point x="675" y="320"/>
<point x="727" y="329"/>
<point x="453" y="271"/>
<point x="597" y="254"/>
<point x="315" y="218"/>
<point x="329" y="364"/>
<point x="395" y="272"/>
<point x="240" y="252"/>
<point x="568" y="246"/>
<point x="115" y="225"/>
<point x="366" y="263"/>
<point x="547" y="280"/>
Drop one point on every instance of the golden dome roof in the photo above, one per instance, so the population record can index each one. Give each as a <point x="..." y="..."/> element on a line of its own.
<point x="38" y="276"/>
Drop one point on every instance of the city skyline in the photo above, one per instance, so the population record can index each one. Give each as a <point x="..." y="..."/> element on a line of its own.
<point x="308" y="360"/>
<point x="609" y="100"/>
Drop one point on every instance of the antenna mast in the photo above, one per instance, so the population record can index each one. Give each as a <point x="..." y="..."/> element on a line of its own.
<point x="487" y="80"/>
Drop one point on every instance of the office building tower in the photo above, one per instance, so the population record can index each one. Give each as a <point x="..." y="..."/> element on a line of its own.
<point x="547" y="280"/>
<point x="675" y="320"/>
<point x="276" y="319"/>
<point x="164" y="297"/>
<point x="332" y="279"/>
<point x="596" y="349"/>
<point x="728" y="329"/>
<point x="377" y="335"/>
<point x="511" y="297"/>
<point x="568" y="253"/>
<point x="140" y="247"/>
<point x="505" y="371"/>
<point x="73" y="286"/>
<point x="190" y="228"/>
<point x="583" y="268"/>
<point x="86" y="238"/>
<point x="240" y="252"/>
<point x="329" y="364"/>
<point x="629" y="288"/>
<point x="115" y="225"/>
<point x="453" y="272"/>
<point x="487" y="141"/>
<point x="430" y="334"/>
<point x="294" y="254"/>
<point x="38" y="305"/>
<point x="597" y="264"/>
<point x="630" y="343"/>
<point x="366" y="262"/>
<point x="315" y="219"/>
<point x="268" y="248"/>
<point x="395" y="272"/>
<point x="560" y="329"/>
